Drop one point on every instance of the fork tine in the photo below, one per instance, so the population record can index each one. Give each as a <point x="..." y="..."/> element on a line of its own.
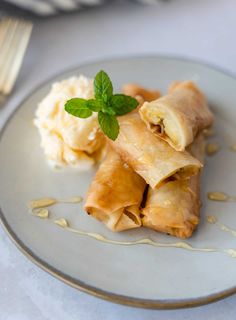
<point x="8" y="28"/>
<point x="4" y="25"/>
<point x="6" y="49"/>
<point x="20" y="49"/>
<point x="16" y="37"/>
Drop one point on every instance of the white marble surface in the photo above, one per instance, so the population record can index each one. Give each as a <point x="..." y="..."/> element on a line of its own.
<point x="203" y="29"/>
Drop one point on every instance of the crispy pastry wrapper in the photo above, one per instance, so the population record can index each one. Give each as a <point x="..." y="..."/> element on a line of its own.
<point x="179" y="116"/>
<point x="135" y="90"/>
<point x="174" y="207"/>
<point x="151" y="157"/>
<point x="115" y="194"/>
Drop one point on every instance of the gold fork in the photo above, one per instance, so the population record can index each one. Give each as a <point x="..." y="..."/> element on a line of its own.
<point x="14" y="38"/>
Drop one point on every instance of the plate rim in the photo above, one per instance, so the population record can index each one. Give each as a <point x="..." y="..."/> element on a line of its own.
<point x="79" y="284"/>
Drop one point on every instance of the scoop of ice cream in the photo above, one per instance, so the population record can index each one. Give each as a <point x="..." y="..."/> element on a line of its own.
<point x="65" y="139"/>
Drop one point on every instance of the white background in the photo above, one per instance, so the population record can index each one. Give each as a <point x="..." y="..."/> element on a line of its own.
<point x="204" y="30"/>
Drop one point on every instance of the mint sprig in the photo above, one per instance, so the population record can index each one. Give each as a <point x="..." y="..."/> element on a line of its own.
<point x="108" y="124"/>
<point x="107" y="104"/>
<point x="78" y="107"/>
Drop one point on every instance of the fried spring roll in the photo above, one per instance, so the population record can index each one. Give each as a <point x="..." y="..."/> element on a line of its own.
<point x="178" y="116"/>
<point x="151" y="157"/>
<point x="135" y="90"/>
<point x="115" y="194"/>
<point x="174" y="207"/>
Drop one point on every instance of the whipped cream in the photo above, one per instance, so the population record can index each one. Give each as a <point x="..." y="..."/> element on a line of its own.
<point x="65" y="139"/>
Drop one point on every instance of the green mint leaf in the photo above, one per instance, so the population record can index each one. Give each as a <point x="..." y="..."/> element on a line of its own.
<point x="108" y="110"/>
<point x="78" y="108"/>
<point x="102" y="86"/>
<point x="105" y="103"/>
<point x="109" y="125"/>
<point x="123" y="104"/>
<point x="94" y="105"/>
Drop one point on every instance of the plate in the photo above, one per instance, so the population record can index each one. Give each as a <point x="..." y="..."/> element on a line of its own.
<point x="138" y="275"/>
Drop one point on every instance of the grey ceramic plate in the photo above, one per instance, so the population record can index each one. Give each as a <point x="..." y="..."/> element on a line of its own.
<point x="135" y="275"/>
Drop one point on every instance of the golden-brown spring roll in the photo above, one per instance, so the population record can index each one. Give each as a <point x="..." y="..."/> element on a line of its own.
<point x="174" y="207"/>
<point x="178" y="116"/>
<point x="135" y="90"/>
<point x="115" y="194"/>
<point x="151" y="157"/>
